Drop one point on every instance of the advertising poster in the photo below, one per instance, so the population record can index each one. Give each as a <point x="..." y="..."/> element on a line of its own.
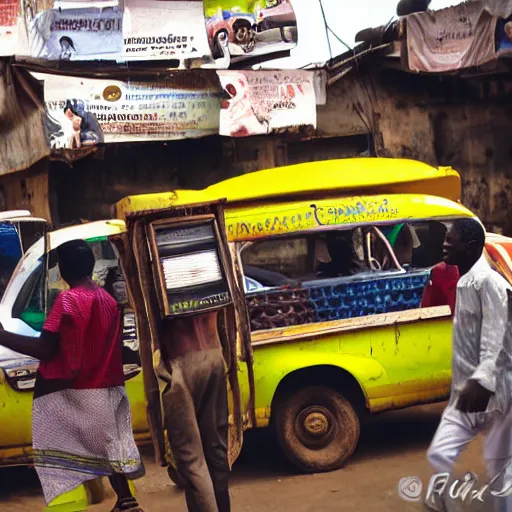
<point x="144" y="30"/>
<point x="164" y="30"/>
<point x="77" y="34"/>
<point x="248" y="28"/>
<point x="85" y="112"/>
<point x="504" y="37"/>
<point x="9" y="12"/>
<point x="260" y="102"/>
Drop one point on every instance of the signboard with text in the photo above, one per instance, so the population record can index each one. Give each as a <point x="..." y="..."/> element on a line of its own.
<point x="193" y="32"/>
<point x="85" y="112"/>
<point x="261" y="102"/>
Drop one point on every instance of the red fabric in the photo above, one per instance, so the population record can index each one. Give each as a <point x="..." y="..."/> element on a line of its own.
<point x="90" y="353"/>
<point x="442" y="288"/>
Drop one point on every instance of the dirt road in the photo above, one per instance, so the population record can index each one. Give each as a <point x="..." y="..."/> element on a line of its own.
<point x="392" y="446"/>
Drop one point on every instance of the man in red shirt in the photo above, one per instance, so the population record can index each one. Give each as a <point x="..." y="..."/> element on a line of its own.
<point x="81" y="424"/>
<point x="442" y="287"/>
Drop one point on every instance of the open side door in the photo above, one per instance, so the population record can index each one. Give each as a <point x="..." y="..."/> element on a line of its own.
<point x="155" y="242"/>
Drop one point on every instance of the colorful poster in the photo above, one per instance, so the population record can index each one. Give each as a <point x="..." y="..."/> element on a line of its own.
<point x="164" y="30"/>
<point x="85" y="112"/>
<point x="239" y="29"/>
<point x="191" y="32"/>
<point x="504" y="37"/>
<point x="260" y="102"/>
<point x="9" y="12"/>
<point x="77" y="34"/>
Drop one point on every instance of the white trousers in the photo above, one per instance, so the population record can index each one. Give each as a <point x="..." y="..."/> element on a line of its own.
<point x="457" y="429"/>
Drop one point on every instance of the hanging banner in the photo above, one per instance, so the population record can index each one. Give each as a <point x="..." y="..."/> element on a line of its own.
<point x="450" y="39"/>
<point x="143" y="30"/>
<point x="164" y="30"/>
<point x="86" y="112"/>
<point x="261" y="102"/>
<point x="249" y="28"/>
<point x="78" y="34"/>
<point x="504" y="37"/>
<point x="9" y="13"/>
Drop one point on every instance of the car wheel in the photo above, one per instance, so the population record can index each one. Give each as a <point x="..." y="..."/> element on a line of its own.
<point x="95" y="491"/>
<point x="175" y="477"/>
<point x="317" y="428"/>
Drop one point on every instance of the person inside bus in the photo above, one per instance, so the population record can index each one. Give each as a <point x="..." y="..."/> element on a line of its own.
<point x="345" y="260"/>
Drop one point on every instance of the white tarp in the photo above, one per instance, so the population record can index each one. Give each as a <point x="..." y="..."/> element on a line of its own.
<point x="455" y="38"/>
<point x="499" y="8"/>
<point x="261" y="102"/>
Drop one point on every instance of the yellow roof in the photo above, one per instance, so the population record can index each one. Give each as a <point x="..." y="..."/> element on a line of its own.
<point x="324" y="178"/>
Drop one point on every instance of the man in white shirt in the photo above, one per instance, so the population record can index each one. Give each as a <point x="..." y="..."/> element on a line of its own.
<point x="476" y="404"/>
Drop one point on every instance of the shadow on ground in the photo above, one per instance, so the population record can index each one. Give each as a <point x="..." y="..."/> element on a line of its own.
<point x="381" y="436"/>
<point x="261" y="457"/>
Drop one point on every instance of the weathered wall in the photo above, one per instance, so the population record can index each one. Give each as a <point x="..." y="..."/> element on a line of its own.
<point x="88" y="190"/>
<point x="27" y="190"/>
<point x="454" y="121"/>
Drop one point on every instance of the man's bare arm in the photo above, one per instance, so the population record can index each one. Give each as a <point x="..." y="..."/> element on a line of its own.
<point x="42" y="348"/>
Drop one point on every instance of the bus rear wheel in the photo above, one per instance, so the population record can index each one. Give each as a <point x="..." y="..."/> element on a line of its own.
<point x="317" y="428"/>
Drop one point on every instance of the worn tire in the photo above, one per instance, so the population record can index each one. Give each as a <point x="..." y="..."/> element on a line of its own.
<point x="317" y="428"/>
<point x="95" y="491"/>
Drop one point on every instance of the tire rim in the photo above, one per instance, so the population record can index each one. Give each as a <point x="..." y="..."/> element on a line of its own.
<point x="315" y="426"/>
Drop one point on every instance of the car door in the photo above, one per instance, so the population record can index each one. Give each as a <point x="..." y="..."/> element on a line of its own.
<point x="416" y="351"/>
<point x="30" y="308"/>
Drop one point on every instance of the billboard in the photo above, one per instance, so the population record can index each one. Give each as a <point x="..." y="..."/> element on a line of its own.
<point x="164" y="30"/>
<point x="262" y="102"/>
<point x="250" y="28"/>
<point x="79" y="34"/>
<point x="142" y="30"/>
<point x="85" y="112"/>
<point x="9" y="15"/>
<point x="504" y="37"/>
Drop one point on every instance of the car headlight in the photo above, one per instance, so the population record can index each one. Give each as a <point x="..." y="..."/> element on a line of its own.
<point x="22" y="378"/>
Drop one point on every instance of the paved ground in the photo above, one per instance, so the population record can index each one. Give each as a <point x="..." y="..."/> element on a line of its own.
<point x="392" y="446"/>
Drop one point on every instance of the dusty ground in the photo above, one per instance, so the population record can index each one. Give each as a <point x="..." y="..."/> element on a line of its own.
<point x="392" y="446"/>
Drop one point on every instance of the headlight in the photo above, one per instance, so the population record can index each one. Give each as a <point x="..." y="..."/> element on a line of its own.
<point x="22" y="378"/>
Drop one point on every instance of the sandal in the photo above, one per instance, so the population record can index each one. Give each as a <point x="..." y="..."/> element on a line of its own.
<point x="127" y="505"/>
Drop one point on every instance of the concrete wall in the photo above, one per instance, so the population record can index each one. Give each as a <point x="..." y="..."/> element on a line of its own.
<point x="453" y="121"/>
<point x="462" y="122"/>
<point x="27" y="190"/>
